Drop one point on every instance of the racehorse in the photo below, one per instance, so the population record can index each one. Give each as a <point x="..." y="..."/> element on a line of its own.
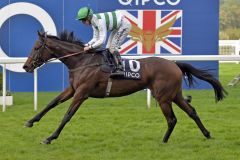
<point x="161" y="76"/>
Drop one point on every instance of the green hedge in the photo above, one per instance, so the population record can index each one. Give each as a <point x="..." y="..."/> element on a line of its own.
<point x="1" y="81"/>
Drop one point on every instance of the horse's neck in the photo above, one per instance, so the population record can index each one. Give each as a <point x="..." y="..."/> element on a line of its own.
<point x="64" y="49"/>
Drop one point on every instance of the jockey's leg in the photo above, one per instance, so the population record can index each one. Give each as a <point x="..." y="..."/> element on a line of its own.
<point x="110" y="38"/>
<point x="116" y="40"/>
<point x="118" y="71"/>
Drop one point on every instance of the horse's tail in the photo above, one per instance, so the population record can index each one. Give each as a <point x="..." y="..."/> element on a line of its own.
<point x="189" y="71"/>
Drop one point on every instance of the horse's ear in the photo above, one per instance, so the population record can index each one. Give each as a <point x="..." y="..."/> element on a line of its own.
<point x="40" y="34"/>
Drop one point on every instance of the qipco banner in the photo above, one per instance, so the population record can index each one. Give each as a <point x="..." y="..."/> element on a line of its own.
<point x="163" y="27"/>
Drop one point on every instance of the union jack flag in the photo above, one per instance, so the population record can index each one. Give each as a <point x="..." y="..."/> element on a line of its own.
<point x="154" y="32"/>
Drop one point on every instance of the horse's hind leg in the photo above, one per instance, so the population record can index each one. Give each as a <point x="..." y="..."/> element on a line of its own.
<point x="185" y="106"/>
<point x="65" y="95"/>
<point x="170" y="117"/>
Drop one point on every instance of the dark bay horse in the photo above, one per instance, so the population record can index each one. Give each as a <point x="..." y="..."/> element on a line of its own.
<point x="161" y="76"/>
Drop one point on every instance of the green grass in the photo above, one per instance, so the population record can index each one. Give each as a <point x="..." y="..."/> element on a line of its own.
<point x="123" y="129"/>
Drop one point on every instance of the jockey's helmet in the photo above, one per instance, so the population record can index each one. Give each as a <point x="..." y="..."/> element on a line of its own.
<point x="84" y="13"/>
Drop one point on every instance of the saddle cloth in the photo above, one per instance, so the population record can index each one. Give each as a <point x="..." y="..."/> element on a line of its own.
<point x="132" y="69"/>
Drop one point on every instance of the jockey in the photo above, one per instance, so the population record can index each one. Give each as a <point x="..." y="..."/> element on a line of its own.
<point x="101" y="23"/>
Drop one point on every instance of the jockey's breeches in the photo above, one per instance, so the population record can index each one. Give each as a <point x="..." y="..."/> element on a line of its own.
<point x="118" y="36"/>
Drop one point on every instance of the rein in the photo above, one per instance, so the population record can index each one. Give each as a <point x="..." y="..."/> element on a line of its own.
<point x="73" y="54"/>
<point x="44" y="45"/>
<point x="66" y="56"/>
<point x="83" y="66"/>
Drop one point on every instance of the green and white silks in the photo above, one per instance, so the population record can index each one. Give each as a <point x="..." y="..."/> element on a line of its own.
<point x="109" y="21"/>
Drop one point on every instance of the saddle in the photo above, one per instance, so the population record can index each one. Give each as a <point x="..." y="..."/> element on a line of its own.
<point x="107" y="60"/>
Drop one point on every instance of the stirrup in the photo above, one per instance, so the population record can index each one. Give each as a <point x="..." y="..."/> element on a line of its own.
<point x="117" y="73"/>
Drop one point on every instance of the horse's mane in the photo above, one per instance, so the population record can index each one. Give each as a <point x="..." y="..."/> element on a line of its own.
<point x="67" y="36"/>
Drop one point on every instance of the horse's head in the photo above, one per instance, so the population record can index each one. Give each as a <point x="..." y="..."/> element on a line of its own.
<point x="39" y="54"/>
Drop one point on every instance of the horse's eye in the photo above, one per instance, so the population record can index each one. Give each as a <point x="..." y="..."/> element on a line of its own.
<point x="36" y="48"/>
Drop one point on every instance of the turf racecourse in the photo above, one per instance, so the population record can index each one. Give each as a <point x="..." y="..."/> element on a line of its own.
<point x="123" y="128"/>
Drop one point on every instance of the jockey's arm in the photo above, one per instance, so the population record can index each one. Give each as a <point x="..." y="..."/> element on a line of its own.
<point x="95" y="37"/>
<point x="101" y="31"/>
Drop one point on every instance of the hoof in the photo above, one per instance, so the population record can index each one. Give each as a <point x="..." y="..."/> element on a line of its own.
<point x="46" y="141"/>
<point x="28" y="125"/>
<point x="207" y="135"/>
<point x="164" y="140"/>
<point x="188" y="98"/>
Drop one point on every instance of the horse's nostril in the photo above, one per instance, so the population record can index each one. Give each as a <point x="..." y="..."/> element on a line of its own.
<point x="25" y="67"/>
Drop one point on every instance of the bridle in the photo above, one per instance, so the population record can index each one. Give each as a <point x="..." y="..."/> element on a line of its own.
<point x="38" y="61"/>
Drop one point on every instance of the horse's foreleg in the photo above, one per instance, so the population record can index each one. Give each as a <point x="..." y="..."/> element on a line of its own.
<point x="64" y="96"/>
<point x="185" y="106"/>
<point x="78" y="99"/>
<point x="170" y="117"/>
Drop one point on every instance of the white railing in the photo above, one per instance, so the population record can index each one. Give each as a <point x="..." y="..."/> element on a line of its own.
<point x="7" y="61"/>
<point x="229" y="47"/>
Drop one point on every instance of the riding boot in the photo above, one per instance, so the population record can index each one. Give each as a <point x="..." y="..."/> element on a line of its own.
<point x="118" y="72"/>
